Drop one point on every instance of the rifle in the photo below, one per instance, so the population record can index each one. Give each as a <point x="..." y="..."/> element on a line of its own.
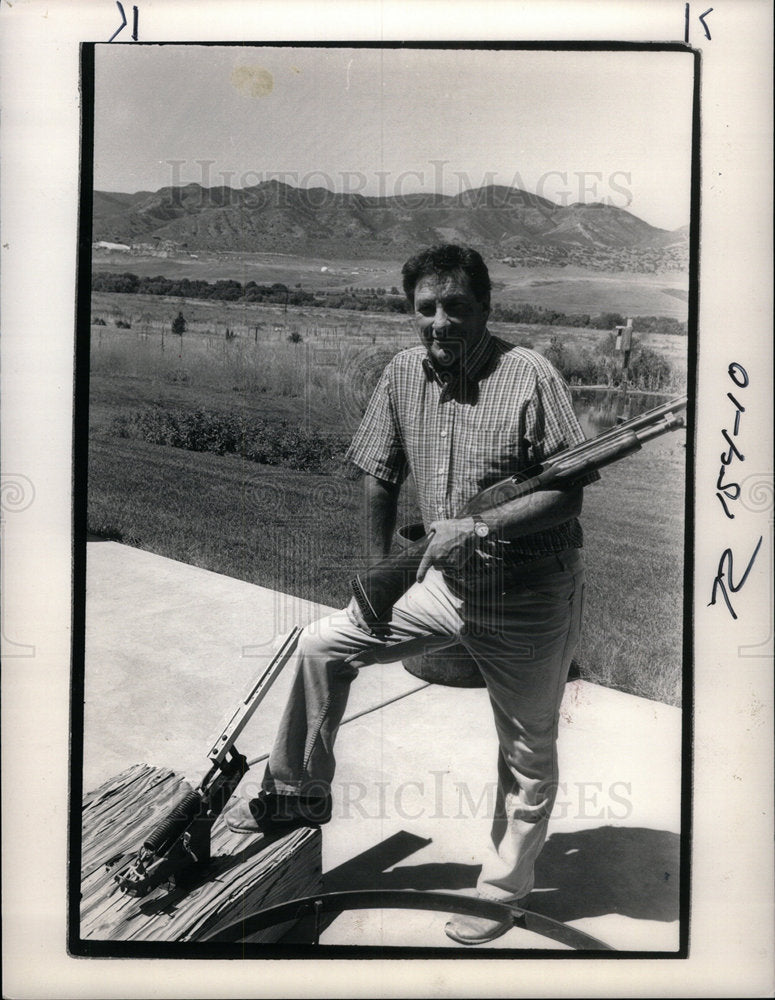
<point x="378" y="589"/>
<point x="180" y="842"/>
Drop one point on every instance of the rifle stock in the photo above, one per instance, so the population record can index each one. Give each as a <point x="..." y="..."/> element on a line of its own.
<point x="378" y="589"/>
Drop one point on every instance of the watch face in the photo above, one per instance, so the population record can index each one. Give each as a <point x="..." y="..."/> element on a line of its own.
<point x="481" y="529"/>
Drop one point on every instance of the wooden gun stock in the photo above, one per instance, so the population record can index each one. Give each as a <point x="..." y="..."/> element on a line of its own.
<point x="378" y="589"/>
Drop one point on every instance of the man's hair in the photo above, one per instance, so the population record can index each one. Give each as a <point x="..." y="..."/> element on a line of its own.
<point x="443" y="260"/>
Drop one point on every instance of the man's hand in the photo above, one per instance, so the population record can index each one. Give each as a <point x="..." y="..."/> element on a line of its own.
<point x="451" y="545"/>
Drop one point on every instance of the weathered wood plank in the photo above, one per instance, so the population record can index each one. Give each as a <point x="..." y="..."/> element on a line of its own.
<point x="246" y="872"/>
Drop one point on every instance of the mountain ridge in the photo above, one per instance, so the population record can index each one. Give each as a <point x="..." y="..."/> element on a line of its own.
<point x="273" y="216"/>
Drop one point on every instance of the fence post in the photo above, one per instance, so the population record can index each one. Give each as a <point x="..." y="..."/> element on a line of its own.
<point x="624" y="344"/>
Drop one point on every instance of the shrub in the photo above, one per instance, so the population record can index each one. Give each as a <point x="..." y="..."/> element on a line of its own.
<point x="555" y="353"/>
<point x="98" y="321"/>
<point x="268" y="442"/>
<point x="179" y="324"/>
<point x="605" y="321"/>
<point x="647" y="369"/>
<point x="650" y="370"/>
<point x="294" y="337"/>
<point x="123" y="324"/>
<point x="102" y="281"/>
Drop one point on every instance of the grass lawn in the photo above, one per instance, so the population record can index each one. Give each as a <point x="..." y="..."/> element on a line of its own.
<point x="633" y="529"/>
<point x="291" y="531"/>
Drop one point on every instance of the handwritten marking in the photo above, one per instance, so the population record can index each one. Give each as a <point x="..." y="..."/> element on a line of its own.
<point x="704" y="25"/>
<point x="725" y="567"/>
<point x="135" y="22"/>
<point x="724" y="581"/>
<point x="734" y="451"/>
<point x="729" y="490"/>
<point x="123" y="22"/>
<point x="687" y="18"/>
<point x="735" y="369"/>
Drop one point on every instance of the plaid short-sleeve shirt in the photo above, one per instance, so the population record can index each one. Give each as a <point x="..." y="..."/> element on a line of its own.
<point x="511" y="411"/>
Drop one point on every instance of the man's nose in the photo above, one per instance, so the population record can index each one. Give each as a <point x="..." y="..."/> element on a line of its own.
<point x="440" y="321"/>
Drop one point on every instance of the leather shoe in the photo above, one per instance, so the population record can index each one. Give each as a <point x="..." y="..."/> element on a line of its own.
<point x="275" y="814"/>
<point x="467" y="929"/>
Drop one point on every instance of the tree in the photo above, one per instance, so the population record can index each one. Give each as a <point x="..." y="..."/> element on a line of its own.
<point x="555" y="353"/>
<point x="179" y="325"/>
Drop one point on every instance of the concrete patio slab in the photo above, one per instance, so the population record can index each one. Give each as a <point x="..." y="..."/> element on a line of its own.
<point x="166" y="660"/>
<point x="171" y="648"/>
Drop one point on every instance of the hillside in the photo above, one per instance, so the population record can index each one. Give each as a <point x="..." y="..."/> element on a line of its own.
<point x="505" y="222"/>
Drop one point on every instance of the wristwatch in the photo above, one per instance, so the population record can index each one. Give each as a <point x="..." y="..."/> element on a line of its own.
<point x="481" y="529"/>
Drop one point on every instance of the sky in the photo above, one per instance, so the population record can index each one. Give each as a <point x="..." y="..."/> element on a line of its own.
<point x="571" y="126"/>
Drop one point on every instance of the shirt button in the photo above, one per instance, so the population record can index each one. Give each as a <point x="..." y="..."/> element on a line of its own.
<point x="440" y="471"/>
<point x="442" y="433"/>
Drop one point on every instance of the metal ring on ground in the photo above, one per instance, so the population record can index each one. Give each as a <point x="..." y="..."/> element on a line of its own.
<point x="409" y="899"/>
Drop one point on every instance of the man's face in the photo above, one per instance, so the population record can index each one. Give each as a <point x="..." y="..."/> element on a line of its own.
<point x="449" y="317"/>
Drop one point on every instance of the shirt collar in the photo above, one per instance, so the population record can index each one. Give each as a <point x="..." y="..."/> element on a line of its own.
<point x="466" y="376"/>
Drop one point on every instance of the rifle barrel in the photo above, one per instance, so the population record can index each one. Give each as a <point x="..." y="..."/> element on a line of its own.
<point x="643" y="420"/>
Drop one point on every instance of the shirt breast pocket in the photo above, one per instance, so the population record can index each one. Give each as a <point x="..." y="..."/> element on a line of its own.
<point x="491" y="455"/>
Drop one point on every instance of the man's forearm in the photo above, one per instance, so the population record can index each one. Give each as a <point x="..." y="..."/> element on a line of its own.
<point x="381" y="500"/>
<point x="452" y="540"/>
<point x="535" y="512"/>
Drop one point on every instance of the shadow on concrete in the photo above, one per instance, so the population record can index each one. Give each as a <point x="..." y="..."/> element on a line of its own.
<point x="364" y="870"/>
<point x="634" y="871"/>
<point x="439" y="877"/>
<point x="367" y="871"/>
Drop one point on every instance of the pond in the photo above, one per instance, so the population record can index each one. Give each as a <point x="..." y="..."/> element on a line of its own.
<point x="599" y="409"/>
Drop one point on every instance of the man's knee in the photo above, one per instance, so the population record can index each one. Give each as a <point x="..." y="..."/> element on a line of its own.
<point x="321" y="647"/>
<point x="316" y="641"/>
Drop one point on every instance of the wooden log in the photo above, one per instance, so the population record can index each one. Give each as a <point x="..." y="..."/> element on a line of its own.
<point x="246" y="873"/>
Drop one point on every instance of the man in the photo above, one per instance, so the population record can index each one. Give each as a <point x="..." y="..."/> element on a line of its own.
<point x="463" y="410"/>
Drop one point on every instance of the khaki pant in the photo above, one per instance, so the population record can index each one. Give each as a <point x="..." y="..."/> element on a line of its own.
<point x="523" y="641"/>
